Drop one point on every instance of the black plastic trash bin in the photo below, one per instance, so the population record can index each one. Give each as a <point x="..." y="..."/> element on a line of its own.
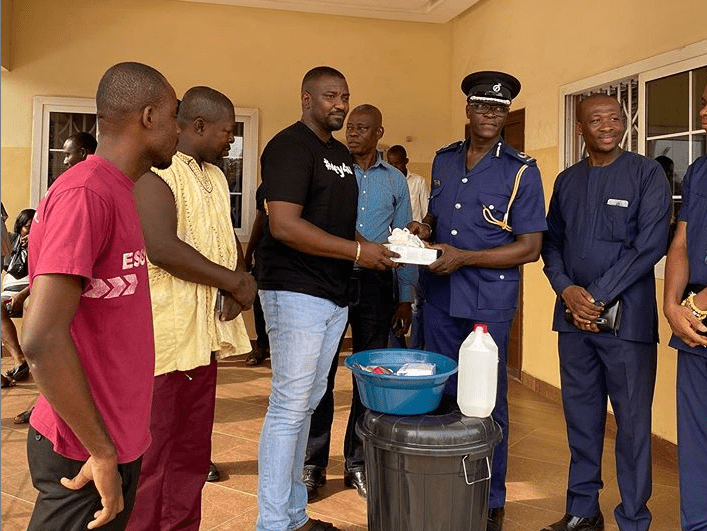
<point x="428" y="472"/>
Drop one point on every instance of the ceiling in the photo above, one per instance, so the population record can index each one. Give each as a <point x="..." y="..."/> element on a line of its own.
<point x="433" y="11"/>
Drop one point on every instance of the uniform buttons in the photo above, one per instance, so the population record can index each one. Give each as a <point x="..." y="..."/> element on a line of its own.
<point x="490" y="207"/>
<point x="465" y="180"/>
<point x="458" y="206"/>
<point x="454" y="232"/>
<point x="501" y="276"/>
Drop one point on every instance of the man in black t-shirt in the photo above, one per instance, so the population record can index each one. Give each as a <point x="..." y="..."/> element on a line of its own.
<point x="305" y="260"/>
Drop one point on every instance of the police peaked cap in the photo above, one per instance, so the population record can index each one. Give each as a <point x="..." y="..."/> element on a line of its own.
<point x="491" y="87"/>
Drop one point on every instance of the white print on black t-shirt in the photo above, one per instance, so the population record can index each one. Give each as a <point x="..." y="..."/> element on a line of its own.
<point x="111" y="287"/>
<point x="341" y="171"/>
<point x="135" y="259"/>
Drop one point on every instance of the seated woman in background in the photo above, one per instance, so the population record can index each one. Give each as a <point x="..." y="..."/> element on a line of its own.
<point x="14" y="293"/>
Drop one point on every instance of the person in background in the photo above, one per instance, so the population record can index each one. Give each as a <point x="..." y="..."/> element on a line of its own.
<point x="419" y="197"/>
<point x="383" y="205"/>
<point x="305" y="260"/>
<point x="77" y="147"/>
<point x="262" y="345"/>
<point x="87" y="333"/>
<point x="485" y="232"/>
<point x="685" y="307"/>
<point x="14" y="293"/>
<point x="198" y="288"/>
<point x="607" y="228"/>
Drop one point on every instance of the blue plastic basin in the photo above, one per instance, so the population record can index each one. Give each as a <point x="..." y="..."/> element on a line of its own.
<point x="400" y="395"/>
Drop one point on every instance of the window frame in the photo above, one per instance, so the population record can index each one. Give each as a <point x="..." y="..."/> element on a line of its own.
<point x="44" y="105"/>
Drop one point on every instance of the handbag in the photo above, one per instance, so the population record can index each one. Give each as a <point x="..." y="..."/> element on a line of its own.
<point x="695" y="288"/>
<point x="17" y="266"/>
<point x="609" y="319"/>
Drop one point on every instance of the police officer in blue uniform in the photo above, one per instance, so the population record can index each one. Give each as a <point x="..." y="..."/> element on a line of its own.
<point x="685" y="306"/>
<point x="487" y="215"/>
<point x="607" y="227"/>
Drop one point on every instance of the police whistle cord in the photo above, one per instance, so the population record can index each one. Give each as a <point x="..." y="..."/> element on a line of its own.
<point x="488" y="215"/>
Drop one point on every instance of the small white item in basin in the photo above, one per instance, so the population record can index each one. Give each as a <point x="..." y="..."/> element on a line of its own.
<point x="417" y="369"/>
<point x="410" y="248"/>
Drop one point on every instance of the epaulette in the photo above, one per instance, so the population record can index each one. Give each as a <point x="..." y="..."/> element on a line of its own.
<point x="450" y="147"/>
<point x="522" y="157"/>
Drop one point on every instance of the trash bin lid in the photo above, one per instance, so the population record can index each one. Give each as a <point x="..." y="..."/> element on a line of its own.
<point x="431" y="435"/>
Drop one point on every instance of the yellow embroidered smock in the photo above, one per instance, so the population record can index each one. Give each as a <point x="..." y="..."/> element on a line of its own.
<point x="187" y="329"/>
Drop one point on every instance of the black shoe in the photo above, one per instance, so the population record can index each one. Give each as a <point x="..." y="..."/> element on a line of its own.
<point x="495" y="519"/>
<point x="214" y="474"/>
<point x="357" y="479"/>
<point x="257" y="356"/>
<point x="313" y="478"/>
<point x="577" y="523"/>
<point x="18" y="373"/>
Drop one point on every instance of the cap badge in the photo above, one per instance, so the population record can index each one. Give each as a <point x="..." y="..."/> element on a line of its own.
<point x="497" y="87"/>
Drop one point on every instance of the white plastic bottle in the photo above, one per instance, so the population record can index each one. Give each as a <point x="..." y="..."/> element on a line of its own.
<point x="478" y="373"/>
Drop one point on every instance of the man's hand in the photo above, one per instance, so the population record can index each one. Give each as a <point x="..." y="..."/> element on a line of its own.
<point x="581" y="303"/>
<point x="104" y="474"/>
<point x="685" y="325"/>
<point x="402" y="318"/>
<point x="451" y="260"/>
<point x="583" y="325"/>
<point x="245" y="289"/>
<point x="376" y="256"/>
<point x="423" y="231"/>
<point x="230" y="307"/>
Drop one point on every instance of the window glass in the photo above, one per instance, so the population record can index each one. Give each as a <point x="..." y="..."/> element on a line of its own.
<point x="699" y="77"/>
<point x="232" y="167"/>
<point x="666" y="119"/>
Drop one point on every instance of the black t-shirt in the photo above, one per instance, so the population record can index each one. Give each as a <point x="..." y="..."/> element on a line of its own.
<point x="297" y="167"/>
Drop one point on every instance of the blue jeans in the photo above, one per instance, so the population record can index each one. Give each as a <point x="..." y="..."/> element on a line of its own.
<point x="304" y="333"/>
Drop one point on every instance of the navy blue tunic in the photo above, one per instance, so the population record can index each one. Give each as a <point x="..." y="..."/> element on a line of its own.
<point x="607" y="228"/>
<point x="456" y="200"/>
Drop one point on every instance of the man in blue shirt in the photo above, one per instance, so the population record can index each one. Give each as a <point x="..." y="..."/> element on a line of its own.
<point x="686" y="272"/>
<point x="383" y="204"/>
<point x="607" y="228"/>
<point x="487" y="214"/>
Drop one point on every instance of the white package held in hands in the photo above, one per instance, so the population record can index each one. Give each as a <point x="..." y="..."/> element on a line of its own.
<point x="411" y="249"/>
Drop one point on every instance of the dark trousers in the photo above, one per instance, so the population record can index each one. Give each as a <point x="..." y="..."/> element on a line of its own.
<point x="176" y="464"/>
<point x="262" y="336"/>
<point x="444" y="334"/>
<point x="60" y="509"/>
<point x="370" y="314"/>
<point x="592" y="368"/>
<point x="692" y="440"/>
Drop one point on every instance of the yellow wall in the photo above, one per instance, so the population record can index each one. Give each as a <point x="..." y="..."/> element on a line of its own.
<point x="547" y="45"/>
<point x="411" y="71"/>
<point x="6" y="16"/>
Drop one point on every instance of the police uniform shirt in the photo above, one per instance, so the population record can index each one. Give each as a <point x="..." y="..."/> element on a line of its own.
<point x="694" y="213"/>
<point x="607" y="228"/>
<point x="457" y="198"/>
<point x="298" y="167"/>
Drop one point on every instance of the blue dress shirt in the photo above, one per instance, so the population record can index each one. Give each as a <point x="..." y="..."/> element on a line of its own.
<point x="383" y="205"/>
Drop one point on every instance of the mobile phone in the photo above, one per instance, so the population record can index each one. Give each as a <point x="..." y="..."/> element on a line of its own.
<point x="219" y="302"/>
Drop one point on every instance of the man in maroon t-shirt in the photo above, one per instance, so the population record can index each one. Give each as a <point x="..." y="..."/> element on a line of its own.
<point x="88" y="329"/>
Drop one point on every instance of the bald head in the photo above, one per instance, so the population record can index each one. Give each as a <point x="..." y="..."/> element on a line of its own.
<point x="587" y="102"/>
<point x="372" y="111"/>
<point x="203" y="102"/>
<point x="126" y="89"/>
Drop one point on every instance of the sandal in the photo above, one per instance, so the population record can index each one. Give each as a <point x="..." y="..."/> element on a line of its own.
<point x="23" y="418"/>
<point x="7" y="382"/>
<point x="19" y="373"/>
<point x="257" y="356"/>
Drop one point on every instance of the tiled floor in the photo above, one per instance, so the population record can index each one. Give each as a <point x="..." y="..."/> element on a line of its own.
<point x="536" y="473"/>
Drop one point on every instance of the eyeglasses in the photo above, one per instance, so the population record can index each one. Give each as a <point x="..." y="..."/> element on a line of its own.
<point x="483" y="108"/>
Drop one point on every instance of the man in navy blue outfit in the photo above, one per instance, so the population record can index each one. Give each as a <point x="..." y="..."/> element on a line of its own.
<point x="486" y="227"/>
<point x="607" y="228"/>
<point x="383" y="204"/>
<point x="686" y="267"/>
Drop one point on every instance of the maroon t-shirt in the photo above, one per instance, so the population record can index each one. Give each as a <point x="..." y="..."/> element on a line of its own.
<point x="88" y="226"/>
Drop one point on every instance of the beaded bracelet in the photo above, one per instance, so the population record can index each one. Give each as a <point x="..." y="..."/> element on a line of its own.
<point x="689" y="303"/>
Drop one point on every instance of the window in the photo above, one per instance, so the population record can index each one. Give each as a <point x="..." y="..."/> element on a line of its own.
<point x="55" y="119"/>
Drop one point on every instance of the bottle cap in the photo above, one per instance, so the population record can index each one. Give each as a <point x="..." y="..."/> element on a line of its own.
<point x="483" y="327"/>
